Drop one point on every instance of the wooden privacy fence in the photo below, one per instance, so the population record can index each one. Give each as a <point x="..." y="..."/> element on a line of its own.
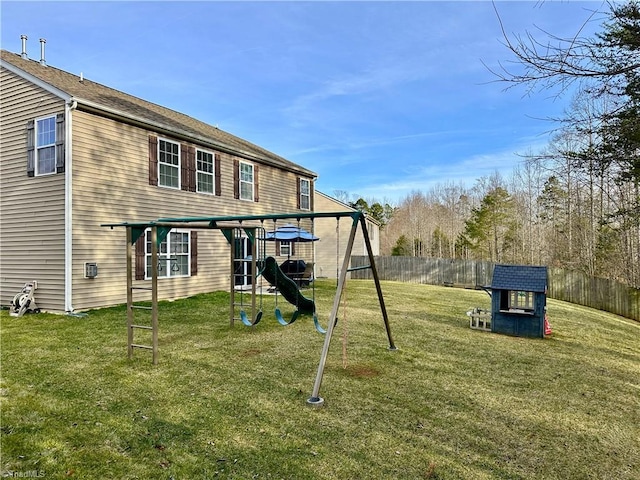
<point x="565" y="285"/>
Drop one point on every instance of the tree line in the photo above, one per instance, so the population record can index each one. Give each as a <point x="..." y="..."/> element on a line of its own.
<point x="576" y="203"/>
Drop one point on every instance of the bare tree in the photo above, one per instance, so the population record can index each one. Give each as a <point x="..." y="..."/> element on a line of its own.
<point x="544" y="60"/>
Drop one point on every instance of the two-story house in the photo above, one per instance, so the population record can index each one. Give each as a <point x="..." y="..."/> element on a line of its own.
<point x="76" y="154"/>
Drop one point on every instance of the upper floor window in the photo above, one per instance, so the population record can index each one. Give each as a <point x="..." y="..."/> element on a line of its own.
<point x="246" y="181"/>
<point x="168" y="164"/>
<point x="205" y="170"/>
<point x="305" y="194"/>
<point x="46" y="145"/>
<point x="174" y="255"/>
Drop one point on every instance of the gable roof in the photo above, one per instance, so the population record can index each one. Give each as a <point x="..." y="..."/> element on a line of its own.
<point x="345" y="206"/>
<point x="524" y="278"/>
<point x="100" y="99"/>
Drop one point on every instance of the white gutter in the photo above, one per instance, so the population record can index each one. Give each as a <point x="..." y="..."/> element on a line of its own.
<point x="69" y="107"/>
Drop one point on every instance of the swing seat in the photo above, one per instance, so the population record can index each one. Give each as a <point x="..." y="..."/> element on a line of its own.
<point x="281" y="319"/>
<point x="247" y="322"/>
<point x="319" y="327"/>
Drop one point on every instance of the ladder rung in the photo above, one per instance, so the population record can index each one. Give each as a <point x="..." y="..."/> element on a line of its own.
<point x="143" y="327"/>
<point x="141" y="307"/>
<point x="141" y="288"/>
<point x="146" y="347"/>
<point x="353" y="269"/>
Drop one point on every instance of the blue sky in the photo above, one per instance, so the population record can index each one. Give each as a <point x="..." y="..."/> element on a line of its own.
<point x="379" y="98"/>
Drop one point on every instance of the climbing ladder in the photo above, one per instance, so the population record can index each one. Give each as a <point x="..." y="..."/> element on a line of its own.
<point x="133" y="234"/>
<point x="233" y="234"/>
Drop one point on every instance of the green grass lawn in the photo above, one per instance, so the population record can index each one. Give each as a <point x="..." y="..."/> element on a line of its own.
<point x="230" y="402"/>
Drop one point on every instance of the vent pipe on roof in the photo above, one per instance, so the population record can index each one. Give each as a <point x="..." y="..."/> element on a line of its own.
<point x="24" y="46"/>
<point x="42" y="60"/>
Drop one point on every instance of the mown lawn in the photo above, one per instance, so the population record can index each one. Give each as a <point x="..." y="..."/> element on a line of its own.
<point x="231" y="402"/>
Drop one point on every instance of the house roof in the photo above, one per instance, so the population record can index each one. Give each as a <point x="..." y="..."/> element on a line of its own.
<point x="345" y="206"/>
<point x="524" y="278"/>
<point x="92" y="96"/>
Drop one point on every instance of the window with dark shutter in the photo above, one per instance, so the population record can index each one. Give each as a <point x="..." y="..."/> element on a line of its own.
<point x="153" y="160"/>
<point x="31" y="149"/>
<point x="45" y="145"/>
<point x="298" y="193"/>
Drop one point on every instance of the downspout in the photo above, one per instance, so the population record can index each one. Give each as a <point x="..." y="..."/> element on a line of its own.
<point x="68" y="207"/>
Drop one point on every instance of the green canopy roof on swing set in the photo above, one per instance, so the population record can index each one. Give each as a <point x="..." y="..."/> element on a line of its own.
<point x="161" y="227"/>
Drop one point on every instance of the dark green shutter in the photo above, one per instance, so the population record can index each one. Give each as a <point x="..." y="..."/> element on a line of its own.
<point x="236" y="179"/>
<point x="184" y="167"/>
<point x="60" y="135"/>
<point x="153" y="160"/>
<point x="194" y="253"/>
<point x="31" y="149"/>
<point x="256" y="183"/>
<point x="141" y="261"/>
<point x="218" y="175"/>
<point x="191" y="166"/>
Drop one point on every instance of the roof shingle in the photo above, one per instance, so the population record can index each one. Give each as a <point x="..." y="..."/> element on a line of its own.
<point x="88" y="92"/>
<point x="524" y="278"/>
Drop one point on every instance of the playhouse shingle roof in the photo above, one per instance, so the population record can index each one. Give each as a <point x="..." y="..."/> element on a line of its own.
<point x="524" y="278"/>
<point x="89" y="93"/>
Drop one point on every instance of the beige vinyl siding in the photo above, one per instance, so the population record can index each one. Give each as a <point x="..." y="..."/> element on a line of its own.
<point x="32" y="211"/>
<point x="111" y="185"/>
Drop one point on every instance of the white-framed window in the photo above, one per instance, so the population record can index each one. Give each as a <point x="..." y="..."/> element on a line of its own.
<point x="45" y="134"/>
<point x="285" y="248"/>
<point x="168" y="164"/>
<point x="521" y="300"/>
<point x="246" y="181"/>
<point x="205" y="171"/>
<point x="174" y="254"/>
<point x="305" y="194"/>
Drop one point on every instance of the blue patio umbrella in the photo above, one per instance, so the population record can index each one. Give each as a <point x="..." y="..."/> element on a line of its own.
<point x="290" y="233"/>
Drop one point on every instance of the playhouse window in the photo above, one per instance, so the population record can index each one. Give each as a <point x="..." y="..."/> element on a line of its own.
<point x="174" y="255"/>
<point x="517" y="300"/>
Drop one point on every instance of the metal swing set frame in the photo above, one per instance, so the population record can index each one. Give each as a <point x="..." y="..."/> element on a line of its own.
<point x="160" y="229"/>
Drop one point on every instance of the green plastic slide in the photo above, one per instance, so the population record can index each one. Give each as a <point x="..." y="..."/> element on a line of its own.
<point x="287" y="287"/>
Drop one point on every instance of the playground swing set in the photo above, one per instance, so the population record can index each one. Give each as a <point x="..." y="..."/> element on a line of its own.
<point x="260" y="266"/>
